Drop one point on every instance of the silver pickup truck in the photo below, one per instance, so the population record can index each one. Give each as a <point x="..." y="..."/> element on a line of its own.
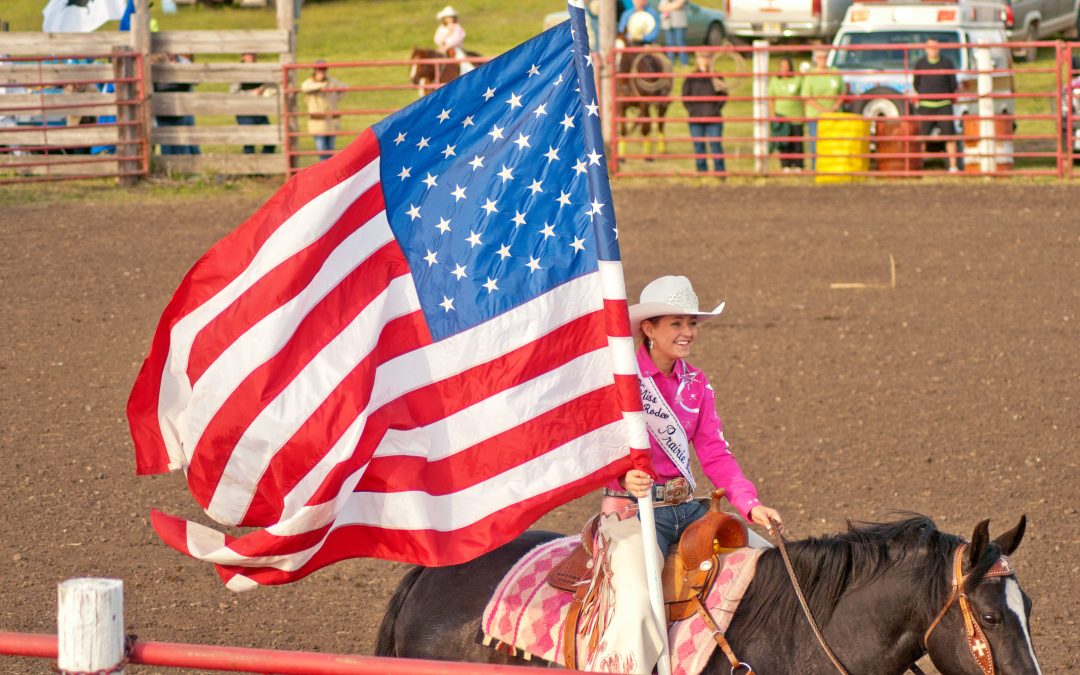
<point x="779" y="19"/>
<point x="1030" y="20"/>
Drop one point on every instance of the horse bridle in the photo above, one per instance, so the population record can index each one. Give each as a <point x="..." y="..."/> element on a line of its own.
<point x="977" y="644"/>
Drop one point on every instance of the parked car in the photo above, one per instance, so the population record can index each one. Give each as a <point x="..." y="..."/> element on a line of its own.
<point x="1031" y="20"/>
<point x="880" y="75"/>
<point x="705" y="25"/>
<point x="778" y="19"/>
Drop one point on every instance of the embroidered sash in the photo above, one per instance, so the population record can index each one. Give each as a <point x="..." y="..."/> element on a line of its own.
<point x="665" y="427"/>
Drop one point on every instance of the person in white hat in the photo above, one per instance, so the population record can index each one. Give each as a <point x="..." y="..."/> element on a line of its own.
<point x="450" y="36"/>
<point x="680" y="412"/>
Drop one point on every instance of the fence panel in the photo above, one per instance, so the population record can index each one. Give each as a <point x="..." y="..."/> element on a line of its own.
<point x="1004" y="119"/>
<point x="70" y="116"/>
<point x="365" y="92"/>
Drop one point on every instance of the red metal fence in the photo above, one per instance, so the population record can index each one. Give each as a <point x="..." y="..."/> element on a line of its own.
<point x="72" y="116"/>
<point x="1005" y="120"/>
<point x="363" y="92"/>
<point x="247" y="660"/>
<point x="84" y="115"/>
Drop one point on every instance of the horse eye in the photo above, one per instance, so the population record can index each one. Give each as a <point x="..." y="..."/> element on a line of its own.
<point x="991" y="619"/>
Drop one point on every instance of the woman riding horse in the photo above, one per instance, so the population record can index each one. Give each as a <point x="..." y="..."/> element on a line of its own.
<point x="450" y="36"/>
<point x="680" y="410"/>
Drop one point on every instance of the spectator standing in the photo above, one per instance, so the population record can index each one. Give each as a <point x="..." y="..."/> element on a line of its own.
<point x="176" y="120"/>
<point x="706" y="121"/>
<point x="784" y="102"/>
<point x="254" y="89"/>
<point x="934" y="96"/>
<point x="640" y="25"/>
<point x="821" y="90"/>
<point x="673" y="21"/>
<point x="322" y="108"/>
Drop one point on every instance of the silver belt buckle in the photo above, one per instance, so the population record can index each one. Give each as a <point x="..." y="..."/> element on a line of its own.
<point x="675" y="491"/>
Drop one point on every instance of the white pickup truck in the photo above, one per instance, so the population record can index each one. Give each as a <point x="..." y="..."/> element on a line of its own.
<point x="778" y="19"/>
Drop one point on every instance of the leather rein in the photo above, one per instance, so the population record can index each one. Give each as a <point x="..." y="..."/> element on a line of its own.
<point x="977" y="643"/>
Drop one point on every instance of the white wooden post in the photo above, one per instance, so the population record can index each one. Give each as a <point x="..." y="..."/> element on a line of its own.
<point x="761" y="106"/>
<point x="606" y="67"/>
<point x="90" y="624"/>
<point x="286" y="21"/>
<point x="987" y="128"/>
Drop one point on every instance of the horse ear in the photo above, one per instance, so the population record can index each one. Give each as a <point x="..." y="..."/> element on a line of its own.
<point x="980" y="539"/>
<point x="1010" y="541"/>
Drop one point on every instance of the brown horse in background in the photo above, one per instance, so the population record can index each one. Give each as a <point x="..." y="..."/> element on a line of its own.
<point x="651" y="71"/>
<point x="428" y="76"/>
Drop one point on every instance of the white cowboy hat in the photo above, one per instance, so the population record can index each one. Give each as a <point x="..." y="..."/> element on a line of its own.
<point x="639" y="25"/>
<point x="666" y="296"/>
<point x="445" y="12"/>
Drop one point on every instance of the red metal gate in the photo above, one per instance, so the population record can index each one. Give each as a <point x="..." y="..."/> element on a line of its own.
<point x="72" y="116"/>
<point x="1007" y="120"/>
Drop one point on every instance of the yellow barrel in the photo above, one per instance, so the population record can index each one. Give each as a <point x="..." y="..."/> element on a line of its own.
<point x="841" y="139"/>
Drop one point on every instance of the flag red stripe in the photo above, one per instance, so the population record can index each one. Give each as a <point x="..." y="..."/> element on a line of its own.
<point x="279" y="286"/>
<point x="629" y="390"/>
<point x="313" y="333"/>
<point x="446" y="397"/>
<point x="325" y="426"/>
<point x="618" y="321"/>
<point x="213" y="271"/>
<point x="432" y="548"/>
<point x="495" y="455"/>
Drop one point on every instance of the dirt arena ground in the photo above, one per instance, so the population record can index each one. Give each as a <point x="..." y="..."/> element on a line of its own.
<point x="955" y="394"/>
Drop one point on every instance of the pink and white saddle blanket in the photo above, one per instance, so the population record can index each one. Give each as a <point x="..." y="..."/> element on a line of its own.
<point x="526" y="614"/>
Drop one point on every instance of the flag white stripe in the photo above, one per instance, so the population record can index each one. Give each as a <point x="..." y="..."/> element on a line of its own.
<point x="444" y="513"/>
<point x="501" y="412"/>
<point x="611" y="279"/>
<point x="624" y="355"/>
<point x="411" y="371"/>
<point x="275" y="330"/>
<point x="636" y="430"/>
<point x="302" y="228"/>
<point x="280" y="419"/>
<point x="421" y="511"/>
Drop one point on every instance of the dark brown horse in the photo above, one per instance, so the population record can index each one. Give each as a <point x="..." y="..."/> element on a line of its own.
<point x="428" y="75"/>
<point x="652" y="78"/>
<point x="874" y="590"/>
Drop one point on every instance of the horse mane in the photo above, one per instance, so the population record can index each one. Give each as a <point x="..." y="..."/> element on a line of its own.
<point x="829" y="567"/>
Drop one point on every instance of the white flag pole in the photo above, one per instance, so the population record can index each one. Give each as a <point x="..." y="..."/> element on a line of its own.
<point x="652" y="574"/>
<point x="613" y="287"/>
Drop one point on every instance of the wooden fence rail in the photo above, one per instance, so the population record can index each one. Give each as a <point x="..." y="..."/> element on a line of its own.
<point x="52" y="84"/>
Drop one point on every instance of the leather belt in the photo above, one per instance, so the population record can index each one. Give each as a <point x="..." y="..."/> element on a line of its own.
<point x="670" y="493"/>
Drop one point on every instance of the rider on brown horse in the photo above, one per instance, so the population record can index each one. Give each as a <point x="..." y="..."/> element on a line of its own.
<point x="450" y="36"/>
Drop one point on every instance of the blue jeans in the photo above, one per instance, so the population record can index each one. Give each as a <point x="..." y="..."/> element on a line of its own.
<point x="178" y="121"/>
<point x="325" y="145"/>
<point x="710" y="130"/>
<point x="672" y="521"/>
<point x="676" y="37"/>
<point x="254" y="120"/>
<point x="811" y="141"/>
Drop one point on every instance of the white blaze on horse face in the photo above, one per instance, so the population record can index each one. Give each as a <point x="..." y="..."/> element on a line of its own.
<point x="412" y="72"/>
<point x="1014" y="599"/>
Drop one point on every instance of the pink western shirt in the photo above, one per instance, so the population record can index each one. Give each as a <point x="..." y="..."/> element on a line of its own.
<point x="695" y="407"/>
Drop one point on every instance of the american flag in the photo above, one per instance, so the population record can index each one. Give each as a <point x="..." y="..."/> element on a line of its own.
<point x="414" y="349"/>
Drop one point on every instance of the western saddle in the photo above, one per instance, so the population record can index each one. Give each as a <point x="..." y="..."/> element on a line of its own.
<point x="689" y="572"/>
